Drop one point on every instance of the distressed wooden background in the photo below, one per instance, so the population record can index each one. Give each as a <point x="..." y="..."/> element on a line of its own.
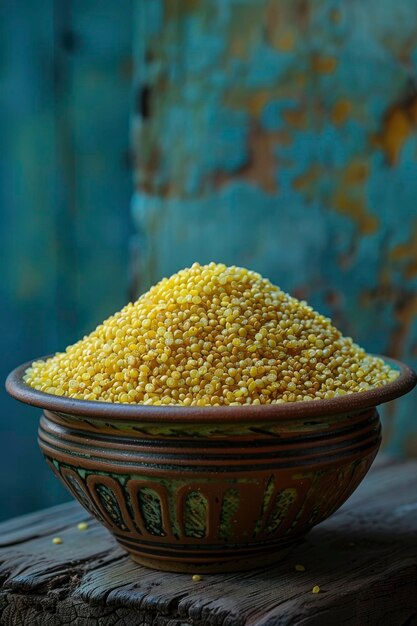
<point x="276" y="134"/>
<point x="65" y="188"/>
<point x="282" y="135"/>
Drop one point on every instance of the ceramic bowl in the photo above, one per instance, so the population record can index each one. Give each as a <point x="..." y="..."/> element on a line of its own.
<point x="203" y="489"/>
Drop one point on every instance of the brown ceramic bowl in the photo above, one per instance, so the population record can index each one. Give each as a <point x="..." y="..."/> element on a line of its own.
<point x="212" y="488"/>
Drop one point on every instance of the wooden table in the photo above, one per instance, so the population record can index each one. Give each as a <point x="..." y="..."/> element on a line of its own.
<point x="364" y="559"/>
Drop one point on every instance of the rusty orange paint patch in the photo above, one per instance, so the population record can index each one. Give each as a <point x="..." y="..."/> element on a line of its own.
<point x="405" y="314"/>
<point x="238" y="48"/>
<point x="396" y="132"/>
<point x="399" y="252"/>
<point x="411" y="269"/>
<point x="256" y="102"/>
<point x="251" y="101"/>
<point x="285" y="42"/>
<point x="399" y="123"/>
<point x="305" y="181"/>
<point x="274" y="17"/>
<point x="341" y="112"/>
<point x="300" y="80"/>
<point x="324" y="64"/>
<point x="356" y="209"/>
<point x="278" y="17"/>
<point x="349" y="197"/>
<point x="295" y="118"/>
<point x="407" y="253"/>
<point x="261" y="167"/>
<point x="356" y="172"/>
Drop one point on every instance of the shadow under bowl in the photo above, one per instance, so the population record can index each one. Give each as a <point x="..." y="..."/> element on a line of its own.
<point x="210" y="489"/>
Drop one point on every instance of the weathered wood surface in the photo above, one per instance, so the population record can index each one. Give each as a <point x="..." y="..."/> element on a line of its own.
<point x="364" y="559"/>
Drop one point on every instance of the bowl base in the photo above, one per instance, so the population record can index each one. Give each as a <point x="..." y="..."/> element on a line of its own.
<point x="199" y="567"/>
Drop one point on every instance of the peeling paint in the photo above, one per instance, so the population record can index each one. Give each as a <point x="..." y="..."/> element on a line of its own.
<point x="406" y="253"/>
<point x="323" y="64"/>
<point x="259" y="168"/>
<point x="346" y="191"/>
<point x="341" y="111"/>
<point x="399" y="124"/>
<point x="349" y="197"/>
<point x="282" y="136"/>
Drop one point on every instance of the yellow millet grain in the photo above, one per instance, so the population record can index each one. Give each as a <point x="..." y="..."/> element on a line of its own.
<point x="212" y="335"/>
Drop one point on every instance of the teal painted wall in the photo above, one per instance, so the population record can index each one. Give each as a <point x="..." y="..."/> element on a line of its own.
<point x="282" y="135"/>
<point x="65" y="188"/>
<point x="276" y="134"/>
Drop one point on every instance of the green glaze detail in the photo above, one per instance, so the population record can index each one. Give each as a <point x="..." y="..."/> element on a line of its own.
<point x="150" y="507"/>
<point x="185" y="511"/>
<point x="282" y="504"/>
<point x="109" y="502"/>
<point x="303" y="476"/>
<point x="269" y="490"/>
<point x="230" y="507"/>
<point x="81" y="494"/>
<point x="218" y="430"/>
<point x="195" y="515"/>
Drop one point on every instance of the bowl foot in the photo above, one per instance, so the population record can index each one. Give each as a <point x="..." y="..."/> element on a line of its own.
<point x="217" y="567"/>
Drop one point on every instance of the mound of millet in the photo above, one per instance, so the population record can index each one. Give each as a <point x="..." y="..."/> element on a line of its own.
<point x="212" y="335"/>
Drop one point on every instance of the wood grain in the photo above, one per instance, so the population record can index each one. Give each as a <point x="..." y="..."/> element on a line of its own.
<point x="364" y="559"/>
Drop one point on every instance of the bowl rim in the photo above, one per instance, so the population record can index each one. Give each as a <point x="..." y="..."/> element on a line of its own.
<point x="19" y="390"/>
